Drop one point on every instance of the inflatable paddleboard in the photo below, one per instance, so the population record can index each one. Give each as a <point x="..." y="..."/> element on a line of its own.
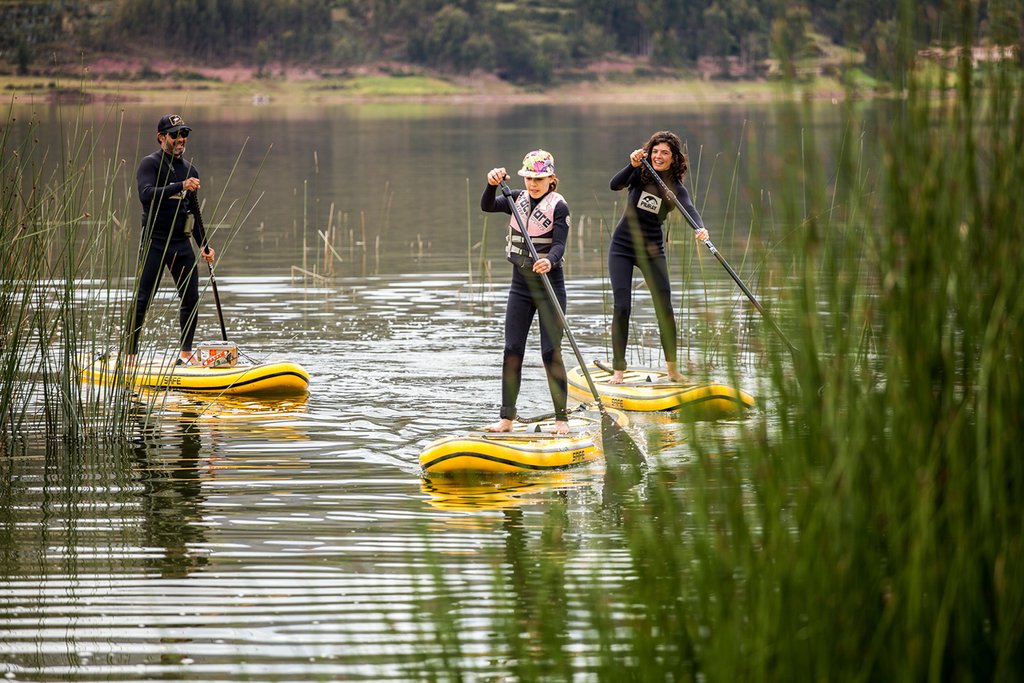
<point x="647" y="389"/>
<point x="530" y="447"/>
<point x="257" y="379"/>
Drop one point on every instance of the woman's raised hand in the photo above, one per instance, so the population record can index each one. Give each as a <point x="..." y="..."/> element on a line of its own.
<point x="636" y="157"/>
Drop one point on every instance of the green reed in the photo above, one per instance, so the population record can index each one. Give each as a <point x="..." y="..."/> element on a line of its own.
<point x="68" y="222"/>
<point x="60" y="226"/>
<point x="869" y="526"/>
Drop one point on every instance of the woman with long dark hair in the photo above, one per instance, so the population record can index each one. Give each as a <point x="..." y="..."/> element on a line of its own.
<point x="638" y="242"/>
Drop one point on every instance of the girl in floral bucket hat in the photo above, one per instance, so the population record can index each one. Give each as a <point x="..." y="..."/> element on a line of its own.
<point x="546" y="217"/>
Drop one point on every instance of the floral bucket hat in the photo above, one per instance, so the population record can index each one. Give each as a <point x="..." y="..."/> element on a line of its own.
<point x="538" y="164"/>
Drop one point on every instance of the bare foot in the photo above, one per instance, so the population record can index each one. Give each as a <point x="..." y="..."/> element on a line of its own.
<point x="673" y="373"/>
<point x="561" y="427"/>
<point x="187" y="358"/>
<point x="501" y="425"/>
<point x="618" y="376"/>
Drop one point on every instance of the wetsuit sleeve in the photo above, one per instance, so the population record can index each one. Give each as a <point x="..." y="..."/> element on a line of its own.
<point x="684" y="198"/>
<point x="621" y="179"/>
<point x="560" y="236"/>
<point x="146" y="179"/>
<point x="492" y="203"/>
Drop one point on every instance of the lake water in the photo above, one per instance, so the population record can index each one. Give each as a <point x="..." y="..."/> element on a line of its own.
<point x="288" y="540"/>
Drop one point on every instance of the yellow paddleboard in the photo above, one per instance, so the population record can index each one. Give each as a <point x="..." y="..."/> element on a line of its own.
<point x="260" y="379"/>
<point x="647" y="389"/>
<point x="530" y="447"/>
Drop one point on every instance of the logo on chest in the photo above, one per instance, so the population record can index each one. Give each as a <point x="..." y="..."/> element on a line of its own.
<point x="649" y="202"/>
<point x="538" y="217"/>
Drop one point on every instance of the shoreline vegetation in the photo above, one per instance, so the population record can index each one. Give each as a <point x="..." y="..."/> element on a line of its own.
<point x="619" y="82"/>
<point x="574" y="51"/>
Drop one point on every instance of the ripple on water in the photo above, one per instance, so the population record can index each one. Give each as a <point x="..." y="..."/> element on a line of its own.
<point x="234" y="539"/>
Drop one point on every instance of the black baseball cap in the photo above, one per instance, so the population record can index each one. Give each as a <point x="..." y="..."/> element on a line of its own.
<point x="171" y="123"/>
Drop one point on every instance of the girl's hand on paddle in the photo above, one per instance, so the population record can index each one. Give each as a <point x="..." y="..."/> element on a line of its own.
<point x="542" y="266"/>
<point x="496" y="175"/>
<point x="190" y="184"/>
<point x="636" y="158"/>
<point x="702" y="235"/>
<point x="207" y="254"/>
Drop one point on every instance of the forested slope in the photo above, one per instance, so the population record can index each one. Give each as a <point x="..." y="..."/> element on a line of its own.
<point x="526" y="41"/>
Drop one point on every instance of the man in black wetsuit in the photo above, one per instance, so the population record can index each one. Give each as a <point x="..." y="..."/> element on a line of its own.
<point x="167" y="189"/>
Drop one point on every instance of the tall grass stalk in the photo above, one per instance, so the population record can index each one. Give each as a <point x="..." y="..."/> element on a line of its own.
<point x="870" y="525"/>
<point x="56" y="228"/>
<point x="68" y="222"/>
<point x="483" y="263"/>
<point x="469" y="234"/>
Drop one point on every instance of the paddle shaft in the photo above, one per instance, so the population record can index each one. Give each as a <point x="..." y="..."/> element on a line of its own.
<point x="551" y="295"/>
<point x="721" y="259"/>
<point x="213" y="279"/>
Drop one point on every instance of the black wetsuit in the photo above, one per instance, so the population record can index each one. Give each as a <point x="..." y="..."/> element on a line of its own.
<point x="165" y="206"/>
<point x="641" y="223"/>
<point x="527" y="296"/>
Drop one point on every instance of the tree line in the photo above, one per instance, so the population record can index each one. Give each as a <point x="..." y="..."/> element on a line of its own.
<point x="525" y="41"/>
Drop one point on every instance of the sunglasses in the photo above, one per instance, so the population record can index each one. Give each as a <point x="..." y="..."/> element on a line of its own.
<point x="178" y="133"/>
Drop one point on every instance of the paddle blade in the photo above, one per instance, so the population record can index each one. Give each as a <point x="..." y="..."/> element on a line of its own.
<point x="619" y="448"/>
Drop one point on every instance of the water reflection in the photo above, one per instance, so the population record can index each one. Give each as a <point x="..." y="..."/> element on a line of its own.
<point x="539" y="623"/>
<point x="474" y="493"/>
<point x="171" y="466"/>
<point x="384" y="216"/>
